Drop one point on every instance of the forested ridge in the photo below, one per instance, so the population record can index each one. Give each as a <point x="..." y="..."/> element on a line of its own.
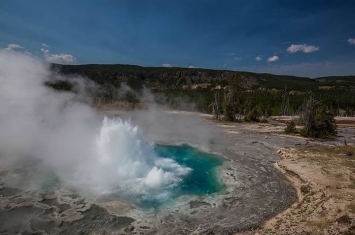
<point x="268" y="94"/>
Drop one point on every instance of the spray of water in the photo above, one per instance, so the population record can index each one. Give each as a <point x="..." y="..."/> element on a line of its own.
<point x="126" y="163"/>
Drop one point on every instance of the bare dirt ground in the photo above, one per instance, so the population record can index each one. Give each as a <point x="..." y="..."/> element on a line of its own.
<point x="324" y="175"/>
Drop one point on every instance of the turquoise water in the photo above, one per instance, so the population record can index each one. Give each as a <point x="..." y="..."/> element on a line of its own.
<point x="202" y="180"/>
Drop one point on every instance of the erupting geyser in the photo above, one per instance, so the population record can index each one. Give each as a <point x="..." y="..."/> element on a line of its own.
<point x="129" y="164"/>
<point x="57" y="132"/>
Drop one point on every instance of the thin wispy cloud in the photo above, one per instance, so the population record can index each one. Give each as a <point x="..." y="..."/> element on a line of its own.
<point x="44" y="45"/>
<point x="351" y="41"/>
<point x="191" y="67"/>
<point x="58" y="58"/>
<point x="258" y="58"/>
<point x="229" y="54"/>
<point x="167" y="65"/>
<point x="273" y="58"/>
<point x="13" y="46"/>
<point x="302" y="48"/>
<point x="238" y="58"/>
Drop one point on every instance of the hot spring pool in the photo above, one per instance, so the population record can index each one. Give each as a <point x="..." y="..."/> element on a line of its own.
<point x="201" y="180"/>
<point x="149" y="174"/>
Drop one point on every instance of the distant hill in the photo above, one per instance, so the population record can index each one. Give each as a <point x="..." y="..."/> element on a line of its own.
<point x="199" y="85"/>
<point x="161" y="78"/>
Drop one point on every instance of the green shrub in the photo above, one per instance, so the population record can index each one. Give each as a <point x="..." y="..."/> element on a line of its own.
<point x="291" y="128"/>
<point x="318" y="121"/>
<point x="252" y="116"/>
<point x="229" y="112"/>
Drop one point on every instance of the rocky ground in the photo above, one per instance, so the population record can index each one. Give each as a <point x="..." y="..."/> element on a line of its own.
<point x="256" y="191"/>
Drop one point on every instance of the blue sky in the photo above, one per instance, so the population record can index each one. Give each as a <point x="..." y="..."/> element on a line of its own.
<point x="305" y="37"/>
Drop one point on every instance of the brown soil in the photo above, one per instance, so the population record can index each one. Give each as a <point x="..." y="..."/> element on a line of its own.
<point x="325" y="181"/>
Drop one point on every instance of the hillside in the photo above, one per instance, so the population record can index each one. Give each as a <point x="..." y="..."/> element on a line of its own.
<point x="198" y="84"/>
<point x="181" y="78"/>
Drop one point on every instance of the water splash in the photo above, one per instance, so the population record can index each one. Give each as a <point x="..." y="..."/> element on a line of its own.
<point x="125" y="163"/>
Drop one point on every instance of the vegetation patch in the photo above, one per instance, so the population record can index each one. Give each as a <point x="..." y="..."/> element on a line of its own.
<point x="290" y="128"/>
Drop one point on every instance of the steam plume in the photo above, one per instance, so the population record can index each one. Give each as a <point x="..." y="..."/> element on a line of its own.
<point x="85" y="150"/>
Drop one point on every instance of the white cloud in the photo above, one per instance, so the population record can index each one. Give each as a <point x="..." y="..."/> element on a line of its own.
<point x="191" y="67"/>
<point x="13" y="46"/>
<point x="45" y="45"/>
<point x="238" y="58"/>
<point x="58" y="58"/>
<point x="167" y="65"/>
<point x="229" y="54"/>
<point x="273" y="58"/>
<point x="351" y="41"/>
<point x="258" y="58"/>
<point x="303" y="48"/>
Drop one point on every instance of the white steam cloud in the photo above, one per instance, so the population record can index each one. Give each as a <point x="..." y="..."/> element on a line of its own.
<point x="38" y="122"/>
<point x="85" y="150"/>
